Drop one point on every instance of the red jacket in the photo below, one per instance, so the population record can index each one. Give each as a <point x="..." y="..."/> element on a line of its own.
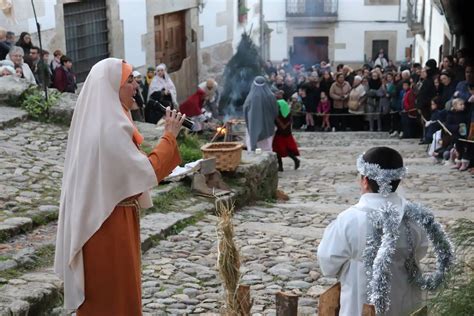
<point x="409" y="102"/>
<point x="193" y="105"/>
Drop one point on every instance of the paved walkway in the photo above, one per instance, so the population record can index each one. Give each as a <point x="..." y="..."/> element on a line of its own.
<point x="278" y="240"/>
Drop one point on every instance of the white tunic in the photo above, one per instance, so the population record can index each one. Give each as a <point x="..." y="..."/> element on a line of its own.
<point x="340" y="255"/>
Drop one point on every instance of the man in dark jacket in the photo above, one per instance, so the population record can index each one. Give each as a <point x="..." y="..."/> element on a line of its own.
<point x="4" y="47"/>
<point x="427" y="91"/>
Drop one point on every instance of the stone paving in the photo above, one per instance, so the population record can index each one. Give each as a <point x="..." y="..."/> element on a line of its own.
<point x="278" y="240"/>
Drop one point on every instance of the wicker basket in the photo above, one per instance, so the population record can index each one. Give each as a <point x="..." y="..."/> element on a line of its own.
<point x="227" y="154"/>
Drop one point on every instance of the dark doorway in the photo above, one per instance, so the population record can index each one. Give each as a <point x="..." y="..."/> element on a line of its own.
<point x="376" y="46"/>
<point x="86" y="31"/>
<point x="309" y="50"/>
<point x="170" y="40"/>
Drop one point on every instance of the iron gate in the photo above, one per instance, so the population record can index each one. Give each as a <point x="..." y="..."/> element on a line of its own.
<point x="85" y="24"/>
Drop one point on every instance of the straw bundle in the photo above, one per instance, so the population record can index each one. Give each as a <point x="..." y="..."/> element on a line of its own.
<point x="228" y="259"/>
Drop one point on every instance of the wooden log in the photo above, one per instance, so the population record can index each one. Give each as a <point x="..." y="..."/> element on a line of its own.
<point x="368" y="310"/>
<point x="286" y="304"/>
<point x="329" y="301"/>
<point x="244" y="302"/>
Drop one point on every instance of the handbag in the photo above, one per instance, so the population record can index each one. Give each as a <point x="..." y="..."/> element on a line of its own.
<point x="353" y="105"/>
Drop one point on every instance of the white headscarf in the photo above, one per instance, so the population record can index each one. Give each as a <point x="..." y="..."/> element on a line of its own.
<point x="102" y="167"/>
<point x="158" y="83"/>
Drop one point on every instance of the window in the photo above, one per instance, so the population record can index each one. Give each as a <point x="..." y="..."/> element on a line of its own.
<point x="382" y="2"/>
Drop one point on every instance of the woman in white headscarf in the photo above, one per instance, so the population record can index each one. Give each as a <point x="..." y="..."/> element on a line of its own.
<point x="106" y="180"/>
<point x="163" y="84"/>
<point x="260" y="111"/>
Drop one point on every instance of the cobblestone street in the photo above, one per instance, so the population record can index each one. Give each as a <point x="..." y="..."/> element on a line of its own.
<point x="278" y="241"/>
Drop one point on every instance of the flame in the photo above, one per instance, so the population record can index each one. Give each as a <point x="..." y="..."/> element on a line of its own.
<point x="221" y="130"/>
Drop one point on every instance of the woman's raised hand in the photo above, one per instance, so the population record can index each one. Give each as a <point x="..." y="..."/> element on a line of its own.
<point x="173" y="121"/>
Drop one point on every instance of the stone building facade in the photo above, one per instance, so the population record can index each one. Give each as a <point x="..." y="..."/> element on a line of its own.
<point x="143" y="32"/>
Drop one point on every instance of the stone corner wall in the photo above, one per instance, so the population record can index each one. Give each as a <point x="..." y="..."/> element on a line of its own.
<point x="214" y="59"/>
<point x="259" y="174"/>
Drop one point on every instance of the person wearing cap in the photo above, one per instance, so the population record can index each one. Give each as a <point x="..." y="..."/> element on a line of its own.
<point x="374" y="247"/>
<point x="106" y="182"/>
<point x="6" y="70"/>
<point x="138" y="110"/>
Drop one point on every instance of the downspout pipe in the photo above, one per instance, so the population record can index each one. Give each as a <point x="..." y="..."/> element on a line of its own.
<point x="429" y="34"/>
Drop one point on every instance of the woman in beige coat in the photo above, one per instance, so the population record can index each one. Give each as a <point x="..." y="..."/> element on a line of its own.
<point x="339" y="93"/>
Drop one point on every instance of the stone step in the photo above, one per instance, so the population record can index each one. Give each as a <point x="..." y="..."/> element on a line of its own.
<point x="47" y="294"/>
<point x="9" y="116"/>
<point x="37" y="293"/>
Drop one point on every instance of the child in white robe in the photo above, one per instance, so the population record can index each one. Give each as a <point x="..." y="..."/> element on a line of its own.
<point x="341" y="251"/>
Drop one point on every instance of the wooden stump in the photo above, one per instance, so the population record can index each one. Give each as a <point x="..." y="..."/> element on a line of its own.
<point x="286" y="304"/>
<point x="329" y="301"/>
<point x="368" y="310"/>
<point x="244" y="302"/>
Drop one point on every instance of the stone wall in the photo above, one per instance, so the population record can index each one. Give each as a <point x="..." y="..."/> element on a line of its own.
<point x="213" y="60"/>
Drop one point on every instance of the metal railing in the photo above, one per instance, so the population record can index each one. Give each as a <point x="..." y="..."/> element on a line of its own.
<point x="311" y="8"/>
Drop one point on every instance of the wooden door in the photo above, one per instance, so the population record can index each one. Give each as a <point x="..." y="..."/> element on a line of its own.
<point x="376" y="46"/>
<point x="170" y="40"/>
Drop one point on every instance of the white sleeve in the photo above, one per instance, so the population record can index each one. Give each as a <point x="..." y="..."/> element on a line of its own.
<point x="334" y="249"/>
<point x="28" y="74"/>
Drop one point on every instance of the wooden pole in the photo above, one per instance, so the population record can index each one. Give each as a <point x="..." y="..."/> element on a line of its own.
<point x="286" y="304"/>
<point x="244" y="302"/>
<point x="368" y="310"/>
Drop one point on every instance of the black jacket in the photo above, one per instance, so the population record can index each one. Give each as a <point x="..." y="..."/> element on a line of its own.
<point x="426" y="94"/>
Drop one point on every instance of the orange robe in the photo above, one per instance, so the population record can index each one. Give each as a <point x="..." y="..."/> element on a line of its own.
<point x="112" y="256"/>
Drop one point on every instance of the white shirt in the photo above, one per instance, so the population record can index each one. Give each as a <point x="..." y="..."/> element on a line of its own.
<point x="340" y="255"/>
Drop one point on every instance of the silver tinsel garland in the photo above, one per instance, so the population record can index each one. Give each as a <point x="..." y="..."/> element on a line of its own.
<point x="442" y="246"/>
<point x="380" y="247"/>
<point x="378" y="291"/>
<point x="383" y="177"/>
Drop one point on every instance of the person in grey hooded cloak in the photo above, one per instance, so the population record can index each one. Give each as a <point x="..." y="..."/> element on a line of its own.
<point x="260" y="111"/>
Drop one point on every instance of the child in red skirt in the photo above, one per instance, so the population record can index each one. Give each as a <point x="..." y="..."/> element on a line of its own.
<point x="284" y="144"/>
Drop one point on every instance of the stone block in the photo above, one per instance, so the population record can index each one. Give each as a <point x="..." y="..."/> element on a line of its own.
<point x="11" y="86"/>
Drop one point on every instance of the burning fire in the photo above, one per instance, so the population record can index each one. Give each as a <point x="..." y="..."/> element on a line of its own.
<point x="221" y="130"/>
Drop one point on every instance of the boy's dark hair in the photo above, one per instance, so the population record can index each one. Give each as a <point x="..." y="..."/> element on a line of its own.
<point x="438" y="102"/>
<point x="35" y="48"/>
<point x="64" y="59"/>
<point x="339" y="67"/>
<point x="386" y="158"/>
<point x="416" y="65"/>
<point x="407" y="82"/>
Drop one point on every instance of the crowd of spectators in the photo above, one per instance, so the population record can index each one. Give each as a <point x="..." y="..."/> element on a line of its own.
<point x="25" y="60"/>
<point x="407" y="100"/>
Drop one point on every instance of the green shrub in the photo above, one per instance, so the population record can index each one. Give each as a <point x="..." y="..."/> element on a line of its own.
<point x="189" y="148"/>
<point x="456" y="296"/>
<point x="32" y="101"/>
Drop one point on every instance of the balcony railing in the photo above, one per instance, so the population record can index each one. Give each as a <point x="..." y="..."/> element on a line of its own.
<point x="415" y="15"/>
<point x="311" y="8"/>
